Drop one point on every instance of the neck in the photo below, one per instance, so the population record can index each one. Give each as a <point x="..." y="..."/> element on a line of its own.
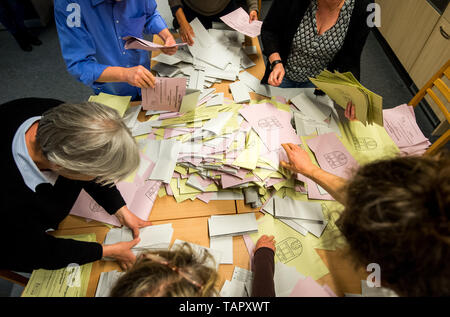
<point x="34" y="149"/>
<point x="331" y="5"/>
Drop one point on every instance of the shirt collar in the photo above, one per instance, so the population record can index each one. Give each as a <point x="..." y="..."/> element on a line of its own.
<point x="96" y="2"/>
<point x="31" y="174"/>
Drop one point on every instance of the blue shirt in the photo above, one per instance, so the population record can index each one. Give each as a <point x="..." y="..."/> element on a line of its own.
<point x="90" y="34"/>
<point x="31" y="174"/>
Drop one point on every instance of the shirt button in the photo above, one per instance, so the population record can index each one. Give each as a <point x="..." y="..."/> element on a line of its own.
<point x="117" y="21"/>
<point x="123" y="53"/>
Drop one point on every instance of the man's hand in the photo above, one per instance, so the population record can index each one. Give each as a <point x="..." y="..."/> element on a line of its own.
<point x="253" y="16"/>
<point x="299" y="161"/>
<point x="187" y="33"/>
<point x="130" y="220"/>
<point x="122" y="253"/>
<point x="169" y="42"/>
<point x="139" y="76"/>
<point x="277" y="75"/>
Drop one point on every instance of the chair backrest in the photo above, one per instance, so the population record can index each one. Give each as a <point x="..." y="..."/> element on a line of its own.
<point x="13" y="277"/>
<point x="438" y="82"/>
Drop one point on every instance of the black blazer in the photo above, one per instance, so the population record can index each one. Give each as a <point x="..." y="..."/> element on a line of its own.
<point x="26" y="215"/>
<point x="281" y="24"/>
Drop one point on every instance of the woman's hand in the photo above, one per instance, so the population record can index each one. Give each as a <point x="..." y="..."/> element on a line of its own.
<point x="277" y="75"/>
<point x="130" y="220"/>
<point x="139" y="76"/>
<point x="122" y="253"/>
<point x="253" y="16"/>
<point x="299" y="160"/>
<point x="266" y="242"/>
<point x="350" y="112"/>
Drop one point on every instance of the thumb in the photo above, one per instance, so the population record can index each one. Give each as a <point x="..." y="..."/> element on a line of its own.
<point x="134" y="242"/>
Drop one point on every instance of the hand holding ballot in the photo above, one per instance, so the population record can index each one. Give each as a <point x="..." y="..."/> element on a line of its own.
<point x="299" y="161"/>
<point x="130" y="220"/>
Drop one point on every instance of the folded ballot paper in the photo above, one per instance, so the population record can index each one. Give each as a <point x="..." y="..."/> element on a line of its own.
<point x="132" y="42"/>
<point x="232" y="225"/>
<point x="106" y="283"/>
<point x="239" y="20"/>
<point x="152" y="238"/>
<point x="343" y="88"/>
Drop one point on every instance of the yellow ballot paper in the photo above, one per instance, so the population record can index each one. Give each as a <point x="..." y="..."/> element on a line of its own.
<point x="343" y="88"/>
<point x="71" y="281"/>
<point x="292" y="248"/>
<point x="120" y="103"/>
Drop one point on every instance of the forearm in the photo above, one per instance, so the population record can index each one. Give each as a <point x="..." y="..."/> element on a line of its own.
<point x="181" y="18"/>
<point x="113" y="74"/>
<point x="333" y="184"/>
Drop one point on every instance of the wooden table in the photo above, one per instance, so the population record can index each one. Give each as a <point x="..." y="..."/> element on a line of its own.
<point x="189" y="221"/>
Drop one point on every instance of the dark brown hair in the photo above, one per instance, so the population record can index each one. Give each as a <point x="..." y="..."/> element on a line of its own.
<point x="397" y="214"/>
<point x="178" y="273"/>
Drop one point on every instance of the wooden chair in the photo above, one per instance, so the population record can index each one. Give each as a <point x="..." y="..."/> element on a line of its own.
<point x="13" y="277"/>
<point x="438" y="82"/>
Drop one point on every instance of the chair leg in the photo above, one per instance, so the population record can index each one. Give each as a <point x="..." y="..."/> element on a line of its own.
<point x="439" y="143"/>
<point x="14" y="277"/>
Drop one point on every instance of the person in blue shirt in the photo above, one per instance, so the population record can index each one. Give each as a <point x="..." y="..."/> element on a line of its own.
<point x="91" y="36"/>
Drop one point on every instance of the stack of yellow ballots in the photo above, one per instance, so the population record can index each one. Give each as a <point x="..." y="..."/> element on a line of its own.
<point x="344" y="87"/>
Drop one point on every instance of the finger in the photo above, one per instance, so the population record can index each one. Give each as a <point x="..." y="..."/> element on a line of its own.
<point x="145" y="224"/>
<point x="352" y="112"/>
<point x="149" y="79"/>
<point x="134" y="242"/>
<point x="286" y="165"/>
<point x="141" y="84"/>
<point x="135" y="232"/>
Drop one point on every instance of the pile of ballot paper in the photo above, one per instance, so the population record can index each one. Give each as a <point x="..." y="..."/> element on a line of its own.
<point x="400" y="123"/>
<point x="152" y="238"/>
<point x="345" y="88"/>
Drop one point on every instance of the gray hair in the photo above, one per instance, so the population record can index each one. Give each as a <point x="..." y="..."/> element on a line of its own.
<point x="88" y="139"/>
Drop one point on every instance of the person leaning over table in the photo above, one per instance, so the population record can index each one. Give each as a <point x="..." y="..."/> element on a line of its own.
<point x="184" y="273"/>
<point x="301" y="38"/>
<point x="51" y="152"/>
<point x="207" y="11"/>
<point x="91" y="36"/>
<point x="397" y="215"/>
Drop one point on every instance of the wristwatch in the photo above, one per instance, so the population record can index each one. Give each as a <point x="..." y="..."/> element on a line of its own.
<point x="272" y="65"/>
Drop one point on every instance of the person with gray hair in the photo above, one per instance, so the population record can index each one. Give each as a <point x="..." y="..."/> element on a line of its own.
<point x="53" y="150"/>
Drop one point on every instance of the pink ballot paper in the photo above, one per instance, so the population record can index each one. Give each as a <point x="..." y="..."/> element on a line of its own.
<point x="332" y="155"/>
<point x="167" y="94"/>
<point x="141" y="44"/>
<point x="239" y="21"/>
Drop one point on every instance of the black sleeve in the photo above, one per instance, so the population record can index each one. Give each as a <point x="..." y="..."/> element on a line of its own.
<point x="272" y="28"/>
<point x="263" y="271"/>
<point x="106" y="196"/>
<point x="35" y="249"/>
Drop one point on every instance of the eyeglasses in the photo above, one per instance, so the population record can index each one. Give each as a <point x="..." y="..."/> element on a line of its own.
<point x="158" y="259"/>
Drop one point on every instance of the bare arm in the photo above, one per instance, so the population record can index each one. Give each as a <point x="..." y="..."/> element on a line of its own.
<point x="300" y="162"/>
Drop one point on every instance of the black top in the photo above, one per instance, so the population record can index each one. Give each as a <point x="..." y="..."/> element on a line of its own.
<point x="263" y="272"/>
<point x="26" y="215"/>
<point x="283" y="19"/>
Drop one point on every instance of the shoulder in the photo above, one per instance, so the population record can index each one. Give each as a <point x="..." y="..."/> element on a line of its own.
<point x="31" y="106"/>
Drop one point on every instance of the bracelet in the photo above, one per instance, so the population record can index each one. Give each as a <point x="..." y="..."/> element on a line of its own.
<point x="274" y="63"/>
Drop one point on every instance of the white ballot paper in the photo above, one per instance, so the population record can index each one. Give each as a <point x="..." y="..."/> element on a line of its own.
<point x="240" y="92"/>
<point x="316" y="111"/>
<point x="232" y="225"/>
<point x="290" y="208"/>
<point x="199" y="250"/>
<point x="225" y="246"/>
<point x="152" y="237"/>
<point x="168" y="155"/>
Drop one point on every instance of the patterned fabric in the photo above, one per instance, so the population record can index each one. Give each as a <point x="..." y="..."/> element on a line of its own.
<point x="311" y="53"/>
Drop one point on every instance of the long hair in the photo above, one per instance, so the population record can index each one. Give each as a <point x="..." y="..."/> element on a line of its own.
<point x="397" y="214"/>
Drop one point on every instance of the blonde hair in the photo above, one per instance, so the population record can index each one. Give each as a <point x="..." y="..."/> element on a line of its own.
<point x="88" y="139"/>
<point x="179" y="273"/>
